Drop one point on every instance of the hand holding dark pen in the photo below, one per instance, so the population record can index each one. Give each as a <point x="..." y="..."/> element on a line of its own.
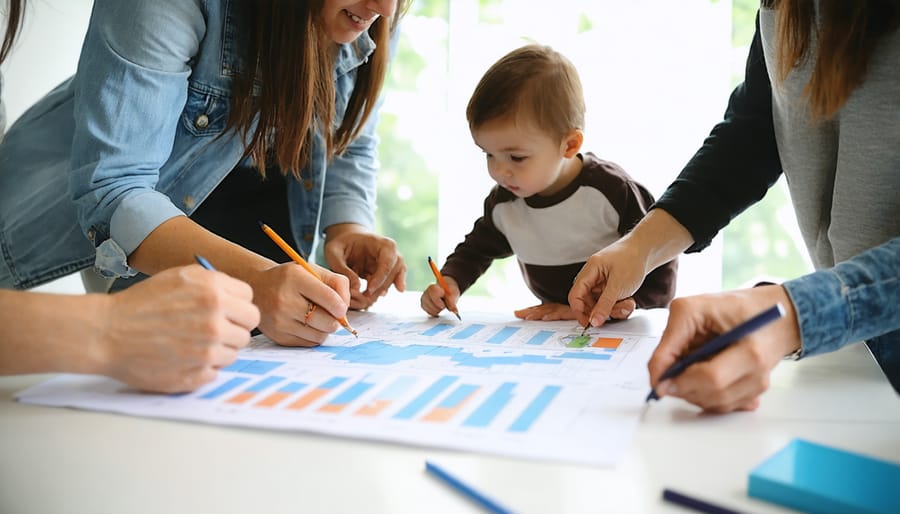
<point x="733" y="378"/>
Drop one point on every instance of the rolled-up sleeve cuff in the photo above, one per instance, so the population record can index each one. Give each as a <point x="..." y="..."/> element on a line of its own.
<point x="350" y="211"/>
<point x="823" y="311"/>
<point x="131" y="223"/>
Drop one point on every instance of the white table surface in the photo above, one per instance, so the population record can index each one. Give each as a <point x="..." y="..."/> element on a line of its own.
<point x="62" y="460"/>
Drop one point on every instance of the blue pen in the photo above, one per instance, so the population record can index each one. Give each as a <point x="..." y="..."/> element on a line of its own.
<point x="720" y="343"/>
<point x="489" y="504"/>
<point x="205" y="263"/>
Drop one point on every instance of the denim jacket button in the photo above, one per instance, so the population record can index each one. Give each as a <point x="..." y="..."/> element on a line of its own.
<point x="202" y="121"/>
<point x="90" y="234"/>
<point x="189" y="202"/>
<point x="307" y="237"/>
<point x="308" y="184"/>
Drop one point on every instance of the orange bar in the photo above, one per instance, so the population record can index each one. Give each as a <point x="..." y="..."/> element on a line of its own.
<point x="373" y="409"/>
<point x="272" y="400"/>
<point x="443" y="414"/>
<point x="308" y="398"/>
<point x="607" y="342"/>
<point x="241" y="397"/>
<point x="332" y="408"/>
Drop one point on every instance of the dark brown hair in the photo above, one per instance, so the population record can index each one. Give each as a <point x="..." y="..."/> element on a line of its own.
<point x="13" y="23"/>
<point x="290" y="90"/>
<point x="533" y="84"/>
<point x="846" y="36"/>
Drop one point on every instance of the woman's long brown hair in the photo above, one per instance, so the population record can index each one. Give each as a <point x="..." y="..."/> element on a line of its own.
<point x="291" y="88"/>
<point x="13" y="23"/>
<point x="846" y="36"/>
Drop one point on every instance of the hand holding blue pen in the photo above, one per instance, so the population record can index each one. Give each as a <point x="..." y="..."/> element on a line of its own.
<point x="720" y="343"/>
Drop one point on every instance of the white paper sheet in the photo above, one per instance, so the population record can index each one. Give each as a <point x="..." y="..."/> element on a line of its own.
<point x="490" y="384"/>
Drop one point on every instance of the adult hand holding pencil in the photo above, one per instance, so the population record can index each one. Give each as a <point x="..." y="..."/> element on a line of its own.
<point x="311" y="307"/>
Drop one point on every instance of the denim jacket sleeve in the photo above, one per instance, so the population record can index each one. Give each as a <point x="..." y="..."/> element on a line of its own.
<point x="855" y="300"/>
<point x="350" y="189"/>
<point x="130" y="89"/>
<point x="349" y="195"/>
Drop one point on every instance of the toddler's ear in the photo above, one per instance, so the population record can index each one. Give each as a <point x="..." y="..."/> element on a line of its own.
<point x="572" y="142"/>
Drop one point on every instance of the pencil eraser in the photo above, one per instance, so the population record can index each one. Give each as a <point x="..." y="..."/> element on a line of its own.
<point x="815" y="478"/>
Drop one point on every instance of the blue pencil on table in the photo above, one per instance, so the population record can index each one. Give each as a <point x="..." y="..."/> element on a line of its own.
<point x="695" y="503"/>
<point x="720" y="343"/>
<point x="205" y="263"/>
<point x="487" y="503"/>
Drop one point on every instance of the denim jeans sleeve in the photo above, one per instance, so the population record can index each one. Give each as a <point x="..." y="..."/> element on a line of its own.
<point x="855" y="300"/>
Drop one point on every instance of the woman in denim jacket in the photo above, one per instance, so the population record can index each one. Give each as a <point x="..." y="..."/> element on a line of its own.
<point x="819" y="103"/>
<point x="164" y="110"/>
<point x="170" y="334"/>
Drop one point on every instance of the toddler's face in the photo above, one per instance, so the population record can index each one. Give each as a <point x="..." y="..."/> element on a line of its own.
<point x="522" y="158"/>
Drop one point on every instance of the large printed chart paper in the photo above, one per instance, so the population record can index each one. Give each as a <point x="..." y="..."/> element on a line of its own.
<point x="537" y="390"/>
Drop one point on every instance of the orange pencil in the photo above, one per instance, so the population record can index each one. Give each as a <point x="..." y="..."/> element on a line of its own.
<point x="444" y="286"/>
<point x="302" y="262"/>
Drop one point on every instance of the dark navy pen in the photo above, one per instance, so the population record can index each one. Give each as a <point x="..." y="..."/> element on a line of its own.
<point x="205" y="263"/>
<point x="720" y="343"/>
<point x="695" y="503"/>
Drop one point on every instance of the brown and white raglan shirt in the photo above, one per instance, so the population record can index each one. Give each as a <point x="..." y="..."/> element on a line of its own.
<point x="553" y="236"/>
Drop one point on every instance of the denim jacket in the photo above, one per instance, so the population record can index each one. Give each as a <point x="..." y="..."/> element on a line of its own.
<point x="133" y="139"/>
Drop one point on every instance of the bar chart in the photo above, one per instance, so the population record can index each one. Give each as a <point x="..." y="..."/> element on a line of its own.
<point x="535" y="390"/>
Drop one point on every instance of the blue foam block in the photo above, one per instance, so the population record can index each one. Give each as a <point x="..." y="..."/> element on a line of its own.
<point x="816" y="478"/>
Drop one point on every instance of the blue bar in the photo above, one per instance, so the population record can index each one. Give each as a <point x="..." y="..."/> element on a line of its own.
<point x="261" y="367"/>
<point x="540" y="338"/>
<point x="333" y="382"/>
<point x="263" y="384"/>
<point x="396" y="389"/>
<point x="535" y="409"/>
<point x="413" y="407"/>
<point x="503" y="335"/>
<point x="252" y="367"/>
<point x="467" y="332"/>
<point x="458" y="396"/>
<point x="585" y="356"/>
<point x="437" y="329"/>
<point x="224" y="388"/>
<point x="292" y="387"/>
<point x="351" y="393"/>
<point x="488" y="410"/>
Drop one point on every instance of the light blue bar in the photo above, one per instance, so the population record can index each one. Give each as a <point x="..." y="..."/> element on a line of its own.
<point x="413" y="407"/>
<point x="237" y="365"/>
<point x="467" y="332"/>
<point x="251" y="366"/>
<point x="224" y="388"/>
<point x="489" y="410"/>
<point x="535" y="409"/>
<point x="437" y="329"/>
<point x="351" y="393"/>
<point x="333" y="382"/>
<point x="292" y="387"/>
<point x="396" y="389"/>
<point x="261" y="367"/>
<point x="503" y="335"/>
<point x="263" y="384"/>
<point x="540" y="338"/>
<point x="458" y="396"/>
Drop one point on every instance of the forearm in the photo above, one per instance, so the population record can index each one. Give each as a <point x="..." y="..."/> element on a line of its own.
<point x="657" y="239"/>
<point x="45" y="333"/>
<point x="853" y="301"/>
<point x="178" y="240"/>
